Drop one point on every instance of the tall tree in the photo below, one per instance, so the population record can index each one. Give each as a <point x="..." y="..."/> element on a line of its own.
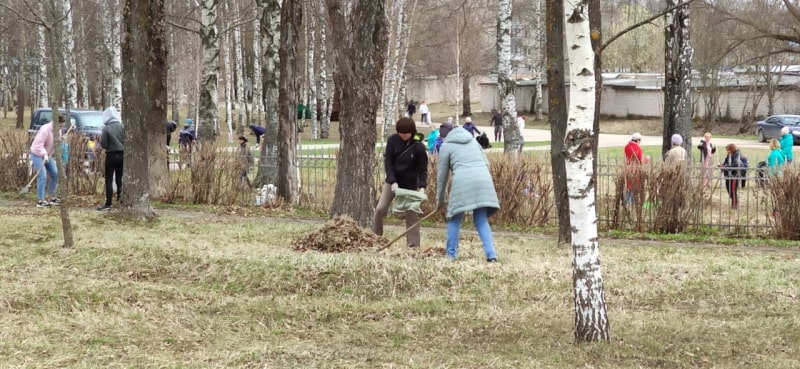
<point x="112" y="41"/>
<point x="270" y="36"/>
<point x="144" y="55"/>
<point x="677" y="76"/>
<point x="208" y="120"/>
<point x="41" y="77"/>
<point x="591" y="315"/>
<point x="288" y="169"/>
<point x="325" y="103"/>
<point x="69" y="57"/>
<point x="505" y="82"/>
<point x="360" y="32"/>
<point x="557" y="113"/>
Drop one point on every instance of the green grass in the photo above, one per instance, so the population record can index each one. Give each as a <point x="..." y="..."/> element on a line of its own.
<point x="195" y="291"/>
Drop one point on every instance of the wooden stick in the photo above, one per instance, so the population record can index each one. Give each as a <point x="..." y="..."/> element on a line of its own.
<point x="408" y="230"/>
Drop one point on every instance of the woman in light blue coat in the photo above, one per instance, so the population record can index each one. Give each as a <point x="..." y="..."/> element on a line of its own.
<point x="787" y="143"/>
<point x="472" y="189"/>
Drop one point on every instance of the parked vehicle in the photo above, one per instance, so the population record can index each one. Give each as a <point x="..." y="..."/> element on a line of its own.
<point x="771" y="127"/>
<point x="87" y="122"/>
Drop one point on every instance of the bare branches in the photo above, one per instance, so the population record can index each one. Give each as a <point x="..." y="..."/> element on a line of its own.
<point x="639" y="24"/>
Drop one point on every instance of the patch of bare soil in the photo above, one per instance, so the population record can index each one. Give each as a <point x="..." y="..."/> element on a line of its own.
<point x="340" y="234"/>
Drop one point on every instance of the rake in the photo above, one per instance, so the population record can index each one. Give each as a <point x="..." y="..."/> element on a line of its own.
<point x="408" y="230"/>
<point x="27" y="187"/>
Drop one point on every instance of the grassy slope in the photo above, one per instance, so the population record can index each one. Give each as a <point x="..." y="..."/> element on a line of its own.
<point x="191" y="291"/>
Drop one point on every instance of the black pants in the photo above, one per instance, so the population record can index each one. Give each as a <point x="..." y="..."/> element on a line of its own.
<point x="113" y="171"/>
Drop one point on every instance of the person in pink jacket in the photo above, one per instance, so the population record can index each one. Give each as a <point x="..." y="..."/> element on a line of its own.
<point x="41" y="152"/>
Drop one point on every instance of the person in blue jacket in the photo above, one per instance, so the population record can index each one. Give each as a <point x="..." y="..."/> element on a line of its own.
<point x="776" y="158"/>
<point x="432" y="137"/>
<point x="444" y="129"/>
<point x="787" y="143"/>
<point x="471" y="127"/>
<point x="472" y="189"/>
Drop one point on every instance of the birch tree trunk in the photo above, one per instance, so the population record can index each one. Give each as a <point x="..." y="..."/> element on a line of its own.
<point x="312" y="81"/>
<point x="83" y="78"/>
<point x="226" y="60"/>
<point x="591" y="316"/>
<point x="112" y="40"/>
<point x="208" y="115"/>
<point x="69" y="58"/>
<point x="270" y="41"/>
<point x="360" y="37"/>
<point x="505" y="82"/>
<point x="325" y="119"/>
<point x="144" y="52"/>
<point x="288" y="170"/>
<point x="392" y="65"/>
<point x="42" y="87"/>
<point x="258" y="95"/>
<point x="538" y="56"/>
<point x="677" y="77"/>
<point x="241" y="110"/>
<point x="557" y="113"/>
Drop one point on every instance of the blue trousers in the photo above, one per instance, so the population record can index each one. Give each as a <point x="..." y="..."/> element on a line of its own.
<point x="48" y="175"/>
<point x="481" y="219"/>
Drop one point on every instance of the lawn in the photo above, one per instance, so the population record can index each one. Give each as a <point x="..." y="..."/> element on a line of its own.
<point x="197" y="290"/>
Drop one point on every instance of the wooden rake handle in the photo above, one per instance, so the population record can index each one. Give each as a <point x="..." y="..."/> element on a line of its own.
<point x="407" y="230"/>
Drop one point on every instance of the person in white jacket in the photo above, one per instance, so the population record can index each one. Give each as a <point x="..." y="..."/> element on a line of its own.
<point x="425" y="113"/>
<point x="521" y="127"/>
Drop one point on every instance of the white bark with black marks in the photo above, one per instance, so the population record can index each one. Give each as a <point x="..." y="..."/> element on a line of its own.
<point x="208" y="115"/>
<point x="591" y="315"/>
<point x="677" y="77"/>
<point x="270" y="41"/>
<point x="505" y="81"/>
<point x="310" y="72"/>
<point x="42" y="87"/>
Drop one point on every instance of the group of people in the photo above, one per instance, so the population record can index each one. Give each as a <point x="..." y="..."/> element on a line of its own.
<point x="734" y="167"/>
<point x="472" y="188"/>
<point x="112" y="141"/>
<point x="424" y="111"/>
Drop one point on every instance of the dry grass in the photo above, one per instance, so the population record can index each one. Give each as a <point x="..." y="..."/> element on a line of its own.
<point x="200" y="291"/>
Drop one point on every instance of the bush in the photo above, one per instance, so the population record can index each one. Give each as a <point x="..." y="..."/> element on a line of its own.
<point x="15" y="168"/>
<point x="784" y="196"/>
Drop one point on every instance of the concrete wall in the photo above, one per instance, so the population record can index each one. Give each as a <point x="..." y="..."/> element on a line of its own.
<point x="441" y="89"/>
<point x="624" y="102"/>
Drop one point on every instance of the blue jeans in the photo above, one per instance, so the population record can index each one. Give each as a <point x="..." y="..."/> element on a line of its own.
<point x="48" y="174"/>
<point x="481" y="219"/>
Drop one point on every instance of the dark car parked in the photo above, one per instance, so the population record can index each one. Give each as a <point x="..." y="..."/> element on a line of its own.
<point x="87" y="122"/>
<point x="771" y="127"/>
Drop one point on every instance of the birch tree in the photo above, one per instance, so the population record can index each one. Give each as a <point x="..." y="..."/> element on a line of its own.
<point x="288" y="169"/>
<point x="311" y="73"/>
<point x="226" y="60"/>
<point x="144" y="52"/>
<point x="207" y="129"/>
<point x="391" y="65"/>
<point x="360" y="31"/>
<point x="112" y="40"/>
<point x="239" y="67"/>
<point x="325" y="103"/>
<point x="505" y="81"/>
<point x="270" y="41"/>
<point x="258" y="95"/>
<point x="591" y="315"/>
<point x="41" y="77"/>
<point x="69" y="57"/>
<point x="677" y="76"/>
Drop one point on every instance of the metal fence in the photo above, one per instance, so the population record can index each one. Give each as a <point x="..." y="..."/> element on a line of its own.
<point x="708" y="210"/>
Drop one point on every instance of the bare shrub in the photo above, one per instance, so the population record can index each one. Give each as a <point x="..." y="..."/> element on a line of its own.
<point x="524" y="188"/>
<point x="82" y="166"/>
<point x="784" y="196"/>
<point x="211" y="177"/>
<point x="14" y="161"/>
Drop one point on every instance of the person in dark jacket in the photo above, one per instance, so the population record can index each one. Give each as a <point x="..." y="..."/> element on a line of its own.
<point x="171" y="127"/>
<point x="186" y="139"/>
<point x="258" y="131"/>
<point x="497" y="123"/>
<point x="412" y="108"/>
<point x="406" y="164"/>
<point x="732" y="170"/>
<point x="113" y="142"/>
<point x="471" y="127"/>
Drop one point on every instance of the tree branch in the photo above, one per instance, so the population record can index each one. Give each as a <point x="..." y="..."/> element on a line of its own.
<point x="639" y="24"/>
<point x="37" y="21"/>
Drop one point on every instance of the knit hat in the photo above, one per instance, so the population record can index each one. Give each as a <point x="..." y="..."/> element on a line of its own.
<point x="188" y="122"/>
<point x="444" y="129"/>
<point x="677" y="140"/>
<point x="406" y="125"/>
<point x="636" y="136"/>
<point x="467" y="119"/>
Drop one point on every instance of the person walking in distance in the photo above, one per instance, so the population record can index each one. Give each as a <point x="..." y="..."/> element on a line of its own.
<point x="412" y="108"/>
<point x="472" y="189"/>
<point x="707" y="149"/>
<point x="424" y="113"/>
<point x="497" y="122"/>
<point x="405" y="162"/>
<point x="245" y="162"/>
<point x="113" y="142"/>
<point x="633" y="162"/>
<point x="41" y="149"/>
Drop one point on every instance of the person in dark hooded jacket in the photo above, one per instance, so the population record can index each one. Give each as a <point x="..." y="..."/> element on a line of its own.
<point x="406" y="164"/>
<point x="113" y="142"/>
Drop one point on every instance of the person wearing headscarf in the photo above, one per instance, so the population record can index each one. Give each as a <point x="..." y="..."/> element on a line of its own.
<point x="676" y="154"/>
